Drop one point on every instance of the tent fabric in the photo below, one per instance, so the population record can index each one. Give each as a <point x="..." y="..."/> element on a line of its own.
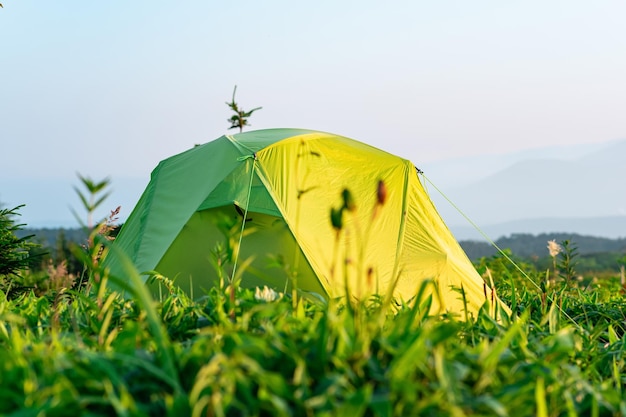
<point x="288" y="180"/>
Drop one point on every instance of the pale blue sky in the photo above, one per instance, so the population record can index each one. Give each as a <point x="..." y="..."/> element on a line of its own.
<point x="111" y="88"/>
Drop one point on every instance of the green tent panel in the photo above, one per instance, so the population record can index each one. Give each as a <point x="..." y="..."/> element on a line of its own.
<point x="285" y="182"/>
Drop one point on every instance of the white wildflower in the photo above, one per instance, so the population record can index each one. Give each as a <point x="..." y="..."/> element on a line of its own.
<point x="554" y="248"/>
<point x="266" y="294"/>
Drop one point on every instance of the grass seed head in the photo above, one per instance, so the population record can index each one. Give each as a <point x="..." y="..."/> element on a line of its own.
<point x="336" y="218"/>
<point x="381" y="192"/>
<point x="348" y="200"/>
<point x="554" y="248"/>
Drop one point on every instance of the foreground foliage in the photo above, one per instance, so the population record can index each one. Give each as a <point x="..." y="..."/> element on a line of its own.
<point x="97" y="353"/>
<point x="74" y="346"/>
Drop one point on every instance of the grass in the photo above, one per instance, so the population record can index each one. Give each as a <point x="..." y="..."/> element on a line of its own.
<point x="70" y="354"/>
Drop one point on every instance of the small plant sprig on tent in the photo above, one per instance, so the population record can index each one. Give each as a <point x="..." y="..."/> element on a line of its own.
<point x="240" y="118"/>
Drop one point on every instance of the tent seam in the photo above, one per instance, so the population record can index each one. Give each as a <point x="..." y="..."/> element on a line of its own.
<point x="401" y="231"/>
<point x="144" y="217"/>
<point x="238" y="144"/>
<point x="245" y="214"/>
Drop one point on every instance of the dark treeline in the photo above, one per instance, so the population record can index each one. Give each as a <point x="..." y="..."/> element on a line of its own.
<point x="54" y="245"/>
<point x="535" y="246"/>
<point x="591" y="254"/>
<point x="50" y="237"/>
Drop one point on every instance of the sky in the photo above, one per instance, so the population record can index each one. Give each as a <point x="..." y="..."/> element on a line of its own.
<point x="108" y="89"/>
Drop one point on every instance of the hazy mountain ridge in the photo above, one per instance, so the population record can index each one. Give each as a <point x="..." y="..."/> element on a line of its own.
<point x="572" y="195"/>
<point x="455" y="172"/>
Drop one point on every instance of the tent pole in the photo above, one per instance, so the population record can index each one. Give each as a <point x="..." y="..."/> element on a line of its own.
<point x="245" y="214"/>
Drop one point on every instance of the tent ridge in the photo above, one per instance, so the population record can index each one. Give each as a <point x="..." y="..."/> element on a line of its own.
<point x="239" y="145"/>
<point x="143" y="218"/>
<point x="401" y="230"/>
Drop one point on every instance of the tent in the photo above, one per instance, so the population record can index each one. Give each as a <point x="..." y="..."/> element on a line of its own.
<point x="263" y="201"/>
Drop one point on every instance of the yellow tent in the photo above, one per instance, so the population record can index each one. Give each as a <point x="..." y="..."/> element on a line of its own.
<point x="308" y="209"/>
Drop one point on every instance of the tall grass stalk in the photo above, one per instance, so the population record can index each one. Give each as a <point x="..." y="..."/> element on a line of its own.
<point x="135" y="286"/>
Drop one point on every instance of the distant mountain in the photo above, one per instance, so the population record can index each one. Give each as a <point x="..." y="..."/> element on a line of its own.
<point x="451" y="173"/>
<point x="608" y="227"/>
<point x="535" y="194"/>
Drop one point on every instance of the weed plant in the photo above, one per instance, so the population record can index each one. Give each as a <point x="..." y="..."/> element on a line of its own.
<point x="71" y="355"/>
